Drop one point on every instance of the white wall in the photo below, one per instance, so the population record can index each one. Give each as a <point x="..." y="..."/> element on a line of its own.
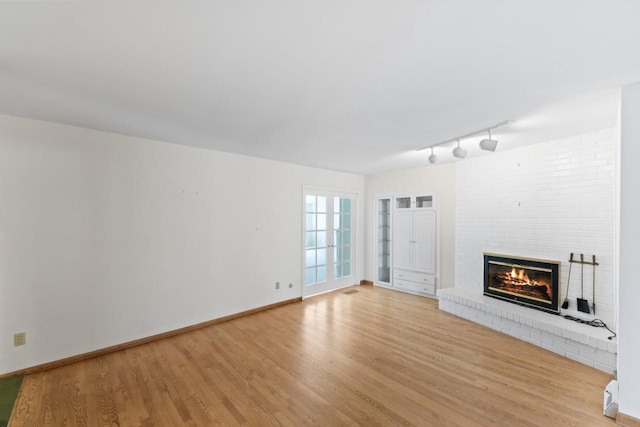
<point x="542" y="201"/>
<point x="439" y="178"/>
<point x="629" y="290"/>
<point x="106" y="238"/>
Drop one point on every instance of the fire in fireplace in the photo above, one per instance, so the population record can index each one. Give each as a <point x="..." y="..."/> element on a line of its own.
<point x="525" y="281"/>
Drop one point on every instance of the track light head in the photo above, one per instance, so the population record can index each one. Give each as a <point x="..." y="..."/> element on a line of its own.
<point x="459" y="152"/>
<point x="433" y="158"/>
<point x="489" y="144"/>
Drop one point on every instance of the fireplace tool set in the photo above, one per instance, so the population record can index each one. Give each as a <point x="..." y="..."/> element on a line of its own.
<point x="583" y="304"/>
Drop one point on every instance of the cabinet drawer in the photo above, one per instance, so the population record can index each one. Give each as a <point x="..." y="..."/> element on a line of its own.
<point x="415" y="277"/>
<point x="414" y="287"/>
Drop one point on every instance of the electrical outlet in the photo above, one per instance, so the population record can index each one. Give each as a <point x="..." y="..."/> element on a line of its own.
<point x="277" y="285"/>
<point x="19" y="339"/>
<point x="291" y="285"/>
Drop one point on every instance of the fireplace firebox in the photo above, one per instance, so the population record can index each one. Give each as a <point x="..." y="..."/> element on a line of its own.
<point x="530" y="282"/>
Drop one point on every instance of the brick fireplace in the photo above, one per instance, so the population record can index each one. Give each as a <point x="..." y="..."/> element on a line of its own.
<point x="542" y="201"/>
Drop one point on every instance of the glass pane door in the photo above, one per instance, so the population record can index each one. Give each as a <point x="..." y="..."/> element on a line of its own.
<point x="383" y="240"/>
<point x="342" y="237"/>
<point x="328" y="241"/>
<point x="316" y="239"/>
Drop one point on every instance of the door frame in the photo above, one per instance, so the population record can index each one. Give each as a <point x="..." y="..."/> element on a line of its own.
<point x="332" y="192"/>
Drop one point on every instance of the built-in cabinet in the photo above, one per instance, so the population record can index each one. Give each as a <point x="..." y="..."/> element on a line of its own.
<point x="407" y="242"/>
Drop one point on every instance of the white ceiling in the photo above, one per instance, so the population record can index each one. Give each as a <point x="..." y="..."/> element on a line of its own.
<point x="352" y="85"/>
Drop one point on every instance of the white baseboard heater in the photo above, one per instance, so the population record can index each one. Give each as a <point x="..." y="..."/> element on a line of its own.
<point x="611" y="399"/>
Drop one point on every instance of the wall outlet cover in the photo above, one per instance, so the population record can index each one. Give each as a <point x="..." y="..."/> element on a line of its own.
<point x="19" y="339"/>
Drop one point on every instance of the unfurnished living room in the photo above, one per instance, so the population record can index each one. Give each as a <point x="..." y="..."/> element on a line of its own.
<point x="326" y="213"/>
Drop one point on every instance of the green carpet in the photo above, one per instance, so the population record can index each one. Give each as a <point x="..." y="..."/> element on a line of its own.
<point x="9" y="388"/>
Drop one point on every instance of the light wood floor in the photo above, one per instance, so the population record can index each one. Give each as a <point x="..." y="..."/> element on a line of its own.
<point x="365" y="356"/>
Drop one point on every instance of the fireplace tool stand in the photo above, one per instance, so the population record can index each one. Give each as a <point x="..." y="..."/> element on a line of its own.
<point x="583" y="304"/>
<point x="565" y="303"/>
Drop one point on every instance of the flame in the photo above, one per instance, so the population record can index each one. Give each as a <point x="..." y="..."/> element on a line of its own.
<point x="519" y="274"/>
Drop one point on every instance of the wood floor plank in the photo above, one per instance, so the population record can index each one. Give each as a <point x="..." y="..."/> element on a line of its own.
<point x="372" y="357"/>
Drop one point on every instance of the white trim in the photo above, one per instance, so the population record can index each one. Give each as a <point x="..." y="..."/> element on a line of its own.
<point x="329" y="290"/>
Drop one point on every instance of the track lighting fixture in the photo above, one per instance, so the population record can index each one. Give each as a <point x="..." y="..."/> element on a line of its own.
<point x="489" y="144"/>
<point x="433" y="158"/>
<point x="459" y="152"/>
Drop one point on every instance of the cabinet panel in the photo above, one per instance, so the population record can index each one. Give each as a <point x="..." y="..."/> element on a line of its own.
<point x="414" y="277"/>
<point x="415" y="287"/>
<point x="424" y="231"/>
<point x="403" y="240"/>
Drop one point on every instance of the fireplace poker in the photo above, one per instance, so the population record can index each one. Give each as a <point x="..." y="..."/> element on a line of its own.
<point x="583" y="304"/>
<point x="565" y="303"/>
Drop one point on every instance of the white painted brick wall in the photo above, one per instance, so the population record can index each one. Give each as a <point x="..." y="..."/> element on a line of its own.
<point x="542" y="201"/>
<point x="582" y="343"/>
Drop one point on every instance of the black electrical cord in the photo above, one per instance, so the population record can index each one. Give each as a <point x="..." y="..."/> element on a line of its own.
<point x="596" y="323"/>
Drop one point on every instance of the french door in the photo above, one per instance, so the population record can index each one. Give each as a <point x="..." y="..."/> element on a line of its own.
<point x="329" y="224"/>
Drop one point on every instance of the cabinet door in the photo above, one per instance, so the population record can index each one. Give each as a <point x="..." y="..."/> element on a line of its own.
<point x="403" y="239"/>
<point x="424" y="238"/>
<point x="383" y="240"/>
<point x="424" y="202"/>
<point x="404" y="202"/>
